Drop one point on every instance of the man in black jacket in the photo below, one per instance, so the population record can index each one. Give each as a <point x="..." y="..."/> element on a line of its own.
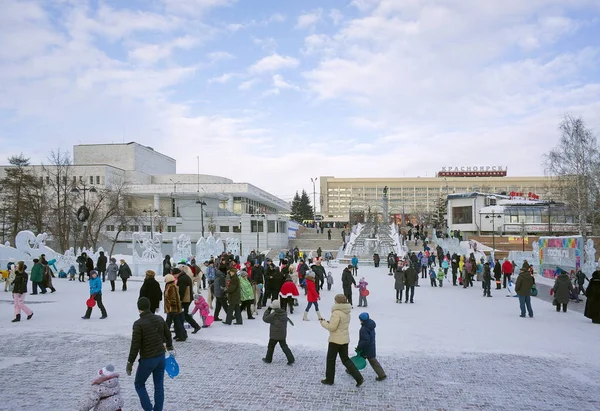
<point x="410" y="279"/>
<point x="258" y="280"/>
<point x="273" y="281"/>
<point x="186" y="291"/>
<point x="150" y="334"/>
<point x="319" y="271"/>
<point x="347" y="282"/>
<point x="454" y="268"/>
<point x="101" y="265"/>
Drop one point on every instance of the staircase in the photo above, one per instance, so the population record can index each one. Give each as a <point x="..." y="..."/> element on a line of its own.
<point x="308" y="240"/>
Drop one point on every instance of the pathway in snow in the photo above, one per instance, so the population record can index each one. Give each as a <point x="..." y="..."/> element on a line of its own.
<point x="452" y="349"/>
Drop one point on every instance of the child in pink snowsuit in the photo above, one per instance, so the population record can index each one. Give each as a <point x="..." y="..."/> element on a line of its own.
<point x="201" y="305"/>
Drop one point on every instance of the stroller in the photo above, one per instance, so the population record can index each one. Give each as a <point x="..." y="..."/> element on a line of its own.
<point x="574" y="294"/>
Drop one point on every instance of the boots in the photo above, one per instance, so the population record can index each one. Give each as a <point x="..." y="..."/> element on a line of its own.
<point x="17" y="318"/>
<point x="319" y="315"/>
<point x="305" y="316"/>
<point x="353" y="371"/>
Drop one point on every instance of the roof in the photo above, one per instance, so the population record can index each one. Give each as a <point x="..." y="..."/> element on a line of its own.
<point x="476" y="194"/>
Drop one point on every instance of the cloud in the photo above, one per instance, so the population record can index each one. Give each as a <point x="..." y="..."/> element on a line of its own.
<point x="336" y="16"/>
<point x="274" y="62"/>
<point x="220" y="55"/>
<point x="309" y="20"/>
<point x="222" y="79"/>
<point x="152" y="53"/>
<point x="247" y="85"/>
<point x="194" y="7"/>
<point x="267" y="43"/>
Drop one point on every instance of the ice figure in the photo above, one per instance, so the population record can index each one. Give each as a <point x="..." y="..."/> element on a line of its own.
<point x="201" y="250"/>
<point x="150" y="248"/>
<point x="232" y="245"/>
<point x="182" y="247"/>
<point x="589" y="265"/>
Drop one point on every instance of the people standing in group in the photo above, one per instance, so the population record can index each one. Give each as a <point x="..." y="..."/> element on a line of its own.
<point x="440" y="276"/>
<point x="367" y="346"/>
<point x="112" y="271"/>
<point x="151" y="290"/>
<point x="101" y="265"/>
<point x="312" y="295"/>
<point x="186" y="292"/>
<point x="173" y="309"/>
<point x="124" y="273"/>
<point x="487" y="280"/>
<point x="149" y="337"/>
<point x="287" y="294"/>
<point x="89" y="265"/>
<point x="399" y="284"/>
<point x="219" y="292"/>
<point x="410" y="279"/>
<point x="233" y="299"/>
<point x="19" y="290"/>
<point x="339" y="339"/>
<point x="525" y="282"/>
<point x="273" y="282"/>
<point x="277" y="319"/>
<point x="95" y="284"/>
<point x="445" y="264"/>
<point x="347" y="283"/>
<point x="592" y="303"/>
<point x="507" y="270"/>
<point x="562" y="288"/>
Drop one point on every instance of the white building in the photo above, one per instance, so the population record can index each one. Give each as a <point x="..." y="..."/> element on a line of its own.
<point x="176" y="204"/>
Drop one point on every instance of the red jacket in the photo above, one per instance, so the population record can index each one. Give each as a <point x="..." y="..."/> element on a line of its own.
<point x="312" y="296"/>
<point x="507" y="267"/>
<point x="289" y="289"/>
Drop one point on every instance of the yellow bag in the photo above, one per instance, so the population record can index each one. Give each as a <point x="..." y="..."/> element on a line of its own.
<point x="4" y="274"/>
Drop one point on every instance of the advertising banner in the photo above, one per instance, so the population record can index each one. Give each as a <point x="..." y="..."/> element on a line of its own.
<point x="560" y="252"/>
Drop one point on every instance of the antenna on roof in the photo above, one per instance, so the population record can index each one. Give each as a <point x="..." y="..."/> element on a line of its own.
<point x="198" y="157"/>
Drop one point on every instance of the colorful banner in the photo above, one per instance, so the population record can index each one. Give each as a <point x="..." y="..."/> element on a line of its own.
<point x="565" y="253"/>
<point x="518" y="240"/>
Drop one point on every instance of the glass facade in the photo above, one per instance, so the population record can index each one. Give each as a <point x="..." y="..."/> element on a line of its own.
<point x="462" y="215"/>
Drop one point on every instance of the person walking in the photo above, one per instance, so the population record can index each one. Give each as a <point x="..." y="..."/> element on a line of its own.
<point x="347" y="282"/>
<point x="562" y="288"/>
<point x="410" y="279"/>
<point x="173" y="308"/>
<point x="277" y="319"/>
<point x="339" y="338"/>
<point x="101" y="265"/>
<point x="19" y="290"/>
<point x="219" y="292"/>
<point x="148" y="339"/>
<point x="186" y="290"/>
<point x="592" y="303"/>
<point x="498" y="273"/>
<point x="82" y="265"/>
<point x="37" y="277"/>
<point x="354" y="266"/>
<point x="167" y="265"/>
<point x="47" y="276"/>
<point x="581" y="278"/>
<point x="312" y="295"/>
<point x="233" y="299"/>
<point x="112" y="270"/>
<point x="151" y="290"/>
<point x="366" y="345"/>
<point x="487" y="280"/>
<point x="329" y="234"/>
<point x="95" y="284"/>
<point x="399" y="284"/>
<point x="523" y="289"/>
<point x="124" y="273"/>
<point x="507" y="270"/>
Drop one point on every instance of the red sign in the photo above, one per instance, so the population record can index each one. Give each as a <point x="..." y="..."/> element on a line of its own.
<point x="529" y="196"/>
<point x="472" y="173"/>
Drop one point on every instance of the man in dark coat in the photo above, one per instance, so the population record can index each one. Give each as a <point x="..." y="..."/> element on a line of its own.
<point x="101" y="265"/>
<point x="82" y="265"/>
<point x="592" y="304"/>
<point x="347" y="282"/>
<point x="151" y="290"/>
<point x="498" y="274"/>
<point x="523" y="289"/>
<point x="278" y="320"/>
<point x="562" y="288"/>
<point x="454" y="268"/>
<point x="89" y="265"/>
<point x="273" y="281"/>
<point x="219" y="292"/>
<point x="320" y="275"/>
<point x="410" y="279"/>
<point x="258" y="278"/>
<point x="487" y="280"/>
<point x="186" y="291"/>
<point x="124" y="273"/>
<point x="233" y="298"/>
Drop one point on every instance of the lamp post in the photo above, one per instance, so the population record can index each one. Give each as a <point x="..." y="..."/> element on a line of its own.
<point x="152" y="214"/>
<point x="83" y="213"/>
<point x="493" y="217"/>
<point x="314" y="180"/>
<point x="174" y="185"/>
<point x="202" y="204"/>
<point x="523" y="233"/>
<point x="257" y="216"/>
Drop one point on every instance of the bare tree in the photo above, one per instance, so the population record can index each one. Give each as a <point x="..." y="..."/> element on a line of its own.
<point x="575" y="167"/>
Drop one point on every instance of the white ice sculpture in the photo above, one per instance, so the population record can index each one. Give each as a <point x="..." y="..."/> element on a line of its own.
<point x="233" y="245"/>
<point x="589" y="263"/>
<point x="182" y="247"/>
<point x="147" y="249"/>
<point x="202" y="250"/>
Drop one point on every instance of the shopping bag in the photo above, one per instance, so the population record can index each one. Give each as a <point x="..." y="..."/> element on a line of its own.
<point x="171" y="366"/>
<point x="209" y="320"/>
<point x="359" y="362"/>
<point x="90" y="302"/>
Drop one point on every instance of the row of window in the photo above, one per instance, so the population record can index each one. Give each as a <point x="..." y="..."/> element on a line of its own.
<point x="76" y="179"/>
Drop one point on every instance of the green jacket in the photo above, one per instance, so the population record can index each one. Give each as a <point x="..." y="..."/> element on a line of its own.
<point x="37" y="273"/>
<point x="246" y="289"/>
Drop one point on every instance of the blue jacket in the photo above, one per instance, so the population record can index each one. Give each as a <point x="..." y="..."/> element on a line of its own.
<point x="354" y="261"/>
<point x="95" y="285"/>
<point x="210" y="273"/>
<point x="366" y="342"/>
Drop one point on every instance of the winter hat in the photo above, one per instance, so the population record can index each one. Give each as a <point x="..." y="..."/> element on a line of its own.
<point x="113" y="260"/>
<point x="93" y="272"/>
<point x="341" y="299"/>
<point x="175" y="271"/>
<point x="107" y="371"/>
<point x="275" y="304"/>
<point x="143" y="304"/>
<point x="150" y="273"/>
<point x="363" y="316"/>
<point x="310" y="274"/>
<point x="169" y="278"/>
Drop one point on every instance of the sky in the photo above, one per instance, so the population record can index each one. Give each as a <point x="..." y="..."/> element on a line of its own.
<point x="275" y="92"/>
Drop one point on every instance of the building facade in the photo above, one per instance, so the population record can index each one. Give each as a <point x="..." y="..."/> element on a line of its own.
<point x="349" y="199"/>
<point x="172" y="204"/>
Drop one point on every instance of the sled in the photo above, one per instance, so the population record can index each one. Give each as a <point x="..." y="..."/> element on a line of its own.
<point x="209" y="320"/>
<point x="365" y="293"/>
<point x="171" y="366"/>
<point x="90" y="302"/>
<point x="359" y="362"/>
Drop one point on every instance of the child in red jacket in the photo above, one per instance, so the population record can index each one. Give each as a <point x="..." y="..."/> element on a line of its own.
<point x="312" y="295"/>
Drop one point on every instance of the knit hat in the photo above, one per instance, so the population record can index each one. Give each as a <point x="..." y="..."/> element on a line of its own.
<point x="341" y="299"/>
<point x="143" y="304"/>
<point x="113" y="260"/>
<point x="93" y="272"/>
<point x="107" y="371"/>
<point x="275" y="304"/>
<point x="175" y="271"/>
<point x="310" y="274"/>
<point x="363" y="316"/>
<point x="150" y="273"/>
<point x="169" y="278"/>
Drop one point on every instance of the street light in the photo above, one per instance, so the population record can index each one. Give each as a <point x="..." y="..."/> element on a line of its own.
<point x="493" y="217"/>
<point x="174" y="185"/>
<point x="83" y="213"/>
<point x="314" y="180"/>
<point x="202" y="204"/>
<point x="257" y="216"/>
<point x="153" y="214"/>
<point x="523" y="233"/>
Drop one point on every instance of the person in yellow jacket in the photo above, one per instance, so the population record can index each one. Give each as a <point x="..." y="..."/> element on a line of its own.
<point x="339" y="338"/>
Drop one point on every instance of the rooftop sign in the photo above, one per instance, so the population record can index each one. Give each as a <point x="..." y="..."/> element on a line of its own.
<point x="473" y="171"/>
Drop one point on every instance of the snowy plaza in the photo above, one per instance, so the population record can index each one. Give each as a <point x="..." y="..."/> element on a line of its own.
<point x="452" y="349"/>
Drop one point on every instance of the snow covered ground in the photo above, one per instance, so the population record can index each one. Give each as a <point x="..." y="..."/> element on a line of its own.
<point x="451" y="341"/>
